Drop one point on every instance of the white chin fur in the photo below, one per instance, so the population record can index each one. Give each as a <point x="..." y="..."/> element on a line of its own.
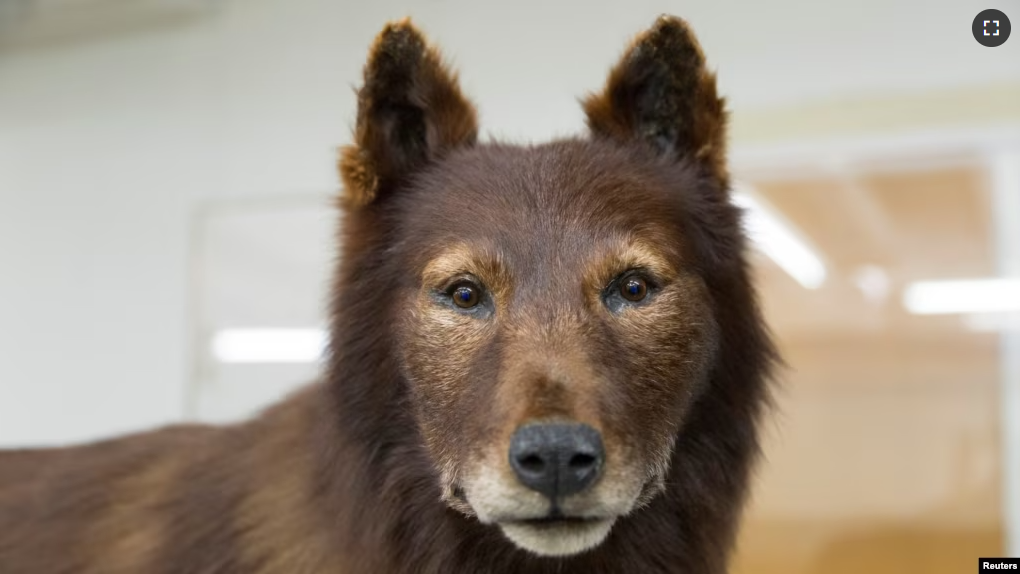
<point x="558" y="539"/>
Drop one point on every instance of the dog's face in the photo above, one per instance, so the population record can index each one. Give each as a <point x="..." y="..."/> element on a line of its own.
<point x="552" y="288"/>
<point x="553" y="324"/>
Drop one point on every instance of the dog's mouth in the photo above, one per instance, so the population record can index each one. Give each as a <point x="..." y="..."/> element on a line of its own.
<point x="557" y="520"/>
<point x="556" y="517"/>
<point x="561" y="527"/>
<point x="557" y="535"/>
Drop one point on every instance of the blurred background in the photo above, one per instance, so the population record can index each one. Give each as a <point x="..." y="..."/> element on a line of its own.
<point x="166" y="229"/>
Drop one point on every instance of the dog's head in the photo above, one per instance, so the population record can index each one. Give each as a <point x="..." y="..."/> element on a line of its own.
<point x="552" y="311"/>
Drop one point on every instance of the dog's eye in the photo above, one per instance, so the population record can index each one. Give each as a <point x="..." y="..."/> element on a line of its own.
<point x="465" y="295"/>
<point x="634" y="289"/>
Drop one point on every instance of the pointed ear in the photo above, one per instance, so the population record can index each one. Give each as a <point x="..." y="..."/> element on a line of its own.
<point x="410" y="112"/>
<point x="661" y="93"/>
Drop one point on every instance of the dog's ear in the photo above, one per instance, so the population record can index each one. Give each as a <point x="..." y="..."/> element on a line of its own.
<point x="661" y="94"/>
<point x="410" y="111"/>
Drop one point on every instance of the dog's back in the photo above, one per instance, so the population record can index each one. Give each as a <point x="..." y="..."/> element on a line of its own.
<point x="180" y="499"/>
<point x="78" y="509"/>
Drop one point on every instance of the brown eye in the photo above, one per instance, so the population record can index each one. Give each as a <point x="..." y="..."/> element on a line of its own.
<point x="465" y="296"/>
<point x="634" y="289"/>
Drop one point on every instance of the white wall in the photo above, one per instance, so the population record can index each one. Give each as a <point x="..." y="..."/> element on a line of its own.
<point x="108" y="148"/>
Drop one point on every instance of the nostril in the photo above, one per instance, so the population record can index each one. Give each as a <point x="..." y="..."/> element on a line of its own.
<point x="532" y="463"/>
<point x="556" y="459"/>
<point x="582" y="461"/>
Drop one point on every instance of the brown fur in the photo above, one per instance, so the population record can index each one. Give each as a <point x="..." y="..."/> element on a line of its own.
<point x="374" y="469"/>
<point x="661" y="92"/>
<point x="410" y="102"/>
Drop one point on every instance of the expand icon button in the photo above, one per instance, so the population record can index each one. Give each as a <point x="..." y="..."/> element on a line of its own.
<point x="991" y="28"/>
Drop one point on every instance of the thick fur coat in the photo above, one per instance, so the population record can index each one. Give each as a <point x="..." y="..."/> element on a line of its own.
<point x="483" y="287"/>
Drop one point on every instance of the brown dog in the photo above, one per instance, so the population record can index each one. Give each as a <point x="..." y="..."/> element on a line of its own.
<point x="544" y="359"/>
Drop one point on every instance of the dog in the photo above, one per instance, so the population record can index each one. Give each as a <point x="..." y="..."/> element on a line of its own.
<point x="543" y="358"/>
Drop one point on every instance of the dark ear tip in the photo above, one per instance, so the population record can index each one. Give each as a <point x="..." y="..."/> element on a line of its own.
<point x="399" y="38"/>
<point x="399" y="30"/>
<point x="668" y="22"/>
<point x="671" y="37"/>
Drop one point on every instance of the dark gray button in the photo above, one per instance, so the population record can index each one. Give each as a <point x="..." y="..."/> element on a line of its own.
<point x="991" y="28"/>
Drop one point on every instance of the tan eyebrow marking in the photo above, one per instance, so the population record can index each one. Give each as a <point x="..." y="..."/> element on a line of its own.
<point x="451" y="261"/>
<point x="635" y="253"/>
<point x="485" y="264"/>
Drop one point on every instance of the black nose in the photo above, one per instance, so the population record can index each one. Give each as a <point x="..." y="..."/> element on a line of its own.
<point x="557" y="459"/>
